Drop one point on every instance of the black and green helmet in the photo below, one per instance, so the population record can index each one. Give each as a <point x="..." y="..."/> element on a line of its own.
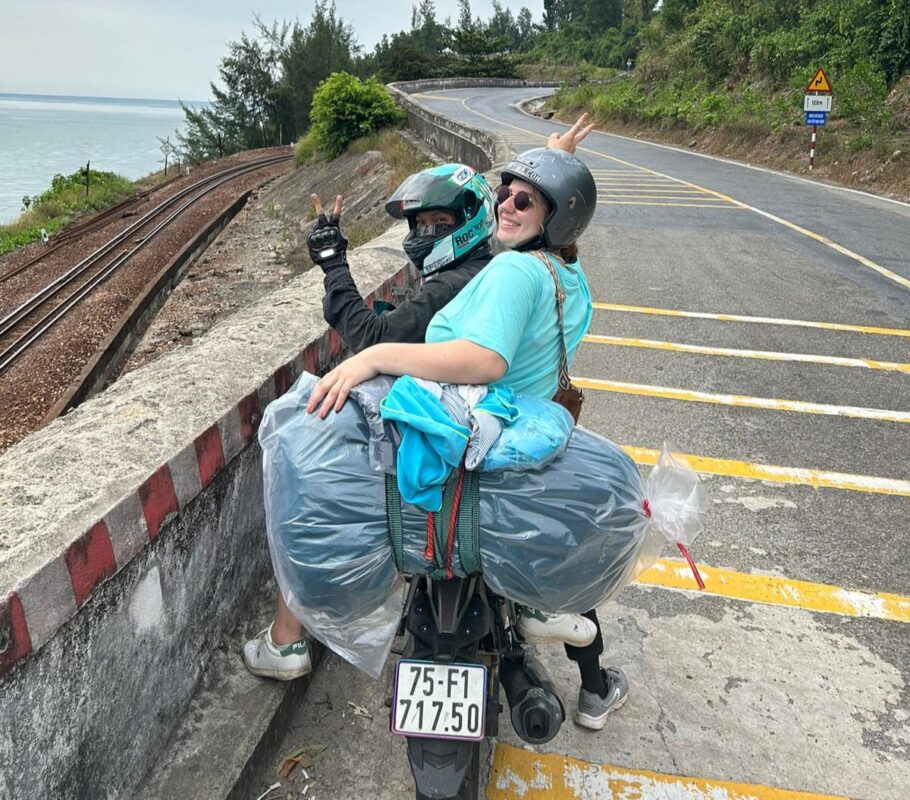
<point x="451" y="187"/>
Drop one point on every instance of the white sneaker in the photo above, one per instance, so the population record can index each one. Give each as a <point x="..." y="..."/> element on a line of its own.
<point x="283" y="662"/>
<point x="573" y="629"/>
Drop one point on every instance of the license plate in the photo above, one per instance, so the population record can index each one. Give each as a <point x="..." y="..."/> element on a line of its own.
<point x="444" y="701"/>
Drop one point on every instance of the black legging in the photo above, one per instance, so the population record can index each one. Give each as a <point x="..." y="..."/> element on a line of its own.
<point x="592" y="650"/>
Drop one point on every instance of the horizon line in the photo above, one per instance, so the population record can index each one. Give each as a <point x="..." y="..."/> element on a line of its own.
<point x="101" y="97"/>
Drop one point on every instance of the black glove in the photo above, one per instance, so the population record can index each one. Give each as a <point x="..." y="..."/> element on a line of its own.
<point x="327" y="244"/>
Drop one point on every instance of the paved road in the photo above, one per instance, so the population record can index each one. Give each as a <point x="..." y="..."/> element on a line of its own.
<point x="760" y="323"/>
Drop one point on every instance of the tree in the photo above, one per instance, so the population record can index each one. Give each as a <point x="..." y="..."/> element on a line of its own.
<point x="525" y="25"/>
<point x="502" y="24"/>
<point x="426" y="32"/>
<point x="403" y="59"/>
<point x="243" y="113"/>
<point x="313" y="53"/>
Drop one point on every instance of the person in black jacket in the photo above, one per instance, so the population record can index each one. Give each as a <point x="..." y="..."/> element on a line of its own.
<point x="449" y="210"/>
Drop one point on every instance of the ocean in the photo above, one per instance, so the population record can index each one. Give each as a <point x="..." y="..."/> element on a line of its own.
<point x="43" y="135"/>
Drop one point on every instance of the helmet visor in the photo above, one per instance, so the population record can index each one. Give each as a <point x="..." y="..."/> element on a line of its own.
<point x="427" y="190"/>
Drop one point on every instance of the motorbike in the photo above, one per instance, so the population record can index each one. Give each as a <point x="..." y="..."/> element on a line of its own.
<point x="461" y="647"/>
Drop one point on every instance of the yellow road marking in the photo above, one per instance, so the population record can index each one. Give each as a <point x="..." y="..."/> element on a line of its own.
<point x="866" y="262"/>
<point x="767" y="355"/>
<point x="818" y="479"/>
<point x="742" y="401"/>
<point x="521" y="774"/>
<point x="828" y="326"/>
<point x="675" y="574"/>
<point x="656" y="194"/>
<point x="646" y="187"/>
<point x="678" y="205"/>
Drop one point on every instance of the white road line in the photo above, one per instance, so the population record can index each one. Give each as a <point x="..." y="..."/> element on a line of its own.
<point x="830" y="326"/>
<point x="742" y="401"/>
<point x="767" y="355"/>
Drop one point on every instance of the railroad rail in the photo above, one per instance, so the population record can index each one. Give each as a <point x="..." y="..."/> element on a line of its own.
<point x="21" y="328"/>
<point x="99" y="220"/>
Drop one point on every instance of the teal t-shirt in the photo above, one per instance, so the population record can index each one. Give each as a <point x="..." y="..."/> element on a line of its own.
<point x="510" y="308"/>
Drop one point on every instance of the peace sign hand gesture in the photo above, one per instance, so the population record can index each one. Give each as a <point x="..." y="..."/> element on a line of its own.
<point x="327" y="244"/>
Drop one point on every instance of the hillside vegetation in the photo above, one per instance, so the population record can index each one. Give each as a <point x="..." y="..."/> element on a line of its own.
<point x="729" y="76"/>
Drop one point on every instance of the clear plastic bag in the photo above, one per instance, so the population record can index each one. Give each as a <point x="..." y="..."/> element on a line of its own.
<point x="562" y="538"/>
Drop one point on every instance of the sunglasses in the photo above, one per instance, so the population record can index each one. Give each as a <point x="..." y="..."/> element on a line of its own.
<point x="522" y="199"/>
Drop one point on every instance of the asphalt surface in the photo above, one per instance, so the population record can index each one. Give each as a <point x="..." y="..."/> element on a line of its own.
<point x="800" y="694"/>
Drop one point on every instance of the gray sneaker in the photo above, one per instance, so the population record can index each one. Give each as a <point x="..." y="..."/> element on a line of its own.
<point x="282" y="662"/>
<point x="593" y="709"/>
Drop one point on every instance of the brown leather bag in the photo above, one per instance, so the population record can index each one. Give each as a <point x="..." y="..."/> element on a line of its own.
<point x="568" y="395"/>
<point x="570" y="399"/>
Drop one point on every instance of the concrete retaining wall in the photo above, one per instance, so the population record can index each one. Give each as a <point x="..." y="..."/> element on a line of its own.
<point x="482" y="150"/>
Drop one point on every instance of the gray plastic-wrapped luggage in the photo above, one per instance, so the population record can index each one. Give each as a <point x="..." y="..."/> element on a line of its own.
<point x="561" y="538"/>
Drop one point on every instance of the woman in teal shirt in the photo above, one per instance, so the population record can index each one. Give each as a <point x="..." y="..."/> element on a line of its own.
<point x="503" y="328"/>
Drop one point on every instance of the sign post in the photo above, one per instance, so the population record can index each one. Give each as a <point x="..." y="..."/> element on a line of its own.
<point x="817" y="106"/>
<point x="167" y="148"/>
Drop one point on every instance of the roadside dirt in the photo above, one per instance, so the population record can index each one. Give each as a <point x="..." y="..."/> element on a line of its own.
<point x="264" y="247"/>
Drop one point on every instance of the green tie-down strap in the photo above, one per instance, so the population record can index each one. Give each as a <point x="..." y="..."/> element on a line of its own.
<point x="469" y="524"/>
<point x="467" y="531"/>
<point x="393" y="516"/>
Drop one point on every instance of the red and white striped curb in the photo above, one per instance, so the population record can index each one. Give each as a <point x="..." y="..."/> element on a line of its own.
<point x="33" y="611"/>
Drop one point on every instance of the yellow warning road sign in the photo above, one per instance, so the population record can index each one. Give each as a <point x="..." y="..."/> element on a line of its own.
<point x="819" y="83"/>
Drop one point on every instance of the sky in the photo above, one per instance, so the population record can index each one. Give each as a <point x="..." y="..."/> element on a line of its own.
<point x="167" y="49"/>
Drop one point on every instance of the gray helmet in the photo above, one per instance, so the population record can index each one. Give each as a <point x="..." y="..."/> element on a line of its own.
<point x="568" y="187"/>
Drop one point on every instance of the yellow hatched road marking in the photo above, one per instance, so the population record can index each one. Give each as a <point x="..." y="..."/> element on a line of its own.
<point x="818" y="479"/>
<point x="671" y="199"/>
<point x="742" y="401"/>
<point x="518" y="773"/>
<point x="866" y="262"/>
<point x="828" y="326"/>
<point x="678" y="205"/>
<point x="648" y="187"/>
<point x="770" y="590"/>
<point x="767" y="355"/>
<point x="622" y="194"/>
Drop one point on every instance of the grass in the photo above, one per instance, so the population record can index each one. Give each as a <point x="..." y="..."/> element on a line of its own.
<point x="403" y="159"/>
<point x="61" y="204"/>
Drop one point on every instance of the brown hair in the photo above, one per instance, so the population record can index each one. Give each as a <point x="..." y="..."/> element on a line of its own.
<point x="570" y="253"/>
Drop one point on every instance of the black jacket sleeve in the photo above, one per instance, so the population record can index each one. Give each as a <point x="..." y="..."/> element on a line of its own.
<point x="345" y="310"/>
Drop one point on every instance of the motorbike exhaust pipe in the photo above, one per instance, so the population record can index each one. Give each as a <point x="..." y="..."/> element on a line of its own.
<point x="537" y="712"/>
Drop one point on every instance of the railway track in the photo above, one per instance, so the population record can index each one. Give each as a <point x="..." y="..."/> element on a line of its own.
<point x="22" y="327"/>
<point x="124" y="208"/>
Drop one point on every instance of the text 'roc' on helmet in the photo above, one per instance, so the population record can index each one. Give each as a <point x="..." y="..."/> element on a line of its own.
<point x="568" y="186"/>
<point x="451" y="187"/>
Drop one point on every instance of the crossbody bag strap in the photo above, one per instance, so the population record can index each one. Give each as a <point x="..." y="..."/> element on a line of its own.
<point x="564" y="381"/>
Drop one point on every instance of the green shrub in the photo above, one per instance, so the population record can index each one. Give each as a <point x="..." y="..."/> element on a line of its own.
<point x="861" y="93"/>
<point x="306" y="150"/>
<point x="345" y="109"/>
<point x="64" y="200"/>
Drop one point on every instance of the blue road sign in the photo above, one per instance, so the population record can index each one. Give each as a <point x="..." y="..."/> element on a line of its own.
<point x="816" y="117"/>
